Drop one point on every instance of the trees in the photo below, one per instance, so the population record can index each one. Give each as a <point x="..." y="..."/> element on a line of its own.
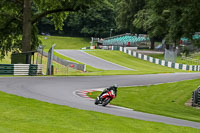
<point x="126" y="11"/>
<point x="10" y="26"/>
<point x="169" y="19"/>
<point x="19" y="17"/>
<point x="152" y="19"/>
<point x="96" y="21"/>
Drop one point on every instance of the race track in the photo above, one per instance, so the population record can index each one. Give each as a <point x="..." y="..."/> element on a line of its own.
<point x="61" y="90"/>
<point x="91" y="60"/>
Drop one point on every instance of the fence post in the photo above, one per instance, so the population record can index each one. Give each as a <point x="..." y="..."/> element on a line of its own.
<point x="50" y="59"/>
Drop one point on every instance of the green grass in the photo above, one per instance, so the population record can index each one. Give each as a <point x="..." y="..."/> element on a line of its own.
<point x="23" y="115"/>
<point x="58" y="68"/>
<point x="61" y="43"/>
<point x="89" y="68"/>
<point x="6" y="60"/>
<point x="65" y="42"/>
<point x="178" y="59"/>
<point x="141" y="66"/>
<point x="165" y="99"/>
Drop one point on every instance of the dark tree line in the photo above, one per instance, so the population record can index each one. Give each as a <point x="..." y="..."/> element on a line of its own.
<point x="95" y="21"/>
<point x="20" y="20"/>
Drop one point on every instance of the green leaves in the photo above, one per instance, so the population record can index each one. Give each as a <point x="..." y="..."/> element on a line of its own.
<point x="170" y="19"/>
<point x="11" y="20"/>
<point x="126" y="10"/>
<point x="96" y="21"/>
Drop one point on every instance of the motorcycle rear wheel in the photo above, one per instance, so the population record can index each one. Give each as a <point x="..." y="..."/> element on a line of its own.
<point x="106" y="101"/>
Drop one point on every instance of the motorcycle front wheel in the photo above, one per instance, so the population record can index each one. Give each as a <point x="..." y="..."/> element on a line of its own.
<point x="106" y="101"/>
<point x="96" y="101"/>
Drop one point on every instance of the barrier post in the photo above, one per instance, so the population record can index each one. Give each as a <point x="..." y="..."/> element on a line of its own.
<point x="52" y="69"/>
<point x="50" y="59"/>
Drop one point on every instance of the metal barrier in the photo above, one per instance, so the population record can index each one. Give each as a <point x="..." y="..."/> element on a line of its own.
<point x="73" y="65"/>
<point x="161" y="62"/>
<point x="20" y="69"/>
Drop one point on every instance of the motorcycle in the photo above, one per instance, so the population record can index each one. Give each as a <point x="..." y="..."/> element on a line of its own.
<point x="105" y="98"/>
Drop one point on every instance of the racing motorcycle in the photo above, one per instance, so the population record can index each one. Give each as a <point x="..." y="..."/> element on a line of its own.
<point x="105" y="98"/>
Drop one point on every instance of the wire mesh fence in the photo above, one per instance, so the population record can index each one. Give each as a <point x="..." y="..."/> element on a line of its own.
<point x="170" y="55"/>
<point x="60" y="67"/>
<point x="64" y="70"/>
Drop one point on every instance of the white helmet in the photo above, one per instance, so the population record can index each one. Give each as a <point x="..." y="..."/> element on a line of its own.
<point x="115" y="85"/>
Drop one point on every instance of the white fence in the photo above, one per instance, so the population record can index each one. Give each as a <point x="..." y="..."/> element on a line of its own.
<point x="161" y="62"/>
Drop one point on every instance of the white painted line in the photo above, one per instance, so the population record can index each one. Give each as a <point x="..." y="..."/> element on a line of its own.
<point x="124" y="108"/>
<point x="107" y="61"/>
<point x="190" y="68"/>
<point x="151" y="59"/>
<point x="157" y="61"/>
<point x="129" y="52"/>
<point x="163" y="63"/>
<point x="176" y="65"/>
<point x="184" y="67"/>
<point x="124" y="50"/>
<point x="95" y="57"/>
<point x="140" y="56"/>
<point x="145" y="57"/>
<point x="134" y="53"/>
<point x="169" y="64"/>
<point x="195" y="67"/>
<point x="83" y="95"/>
<point x="68" y="57"/>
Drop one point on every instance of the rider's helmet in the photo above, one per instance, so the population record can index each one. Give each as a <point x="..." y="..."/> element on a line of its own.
<point x="115" y="86"/>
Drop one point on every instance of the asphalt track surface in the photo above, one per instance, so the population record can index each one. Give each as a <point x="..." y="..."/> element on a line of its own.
<point x="91" y="60"/>
<point x="62" y="91"/>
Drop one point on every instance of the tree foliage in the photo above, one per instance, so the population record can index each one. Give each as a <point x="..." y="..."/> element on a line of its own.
<point x="170" y="19"/>
<point x="126" y="10"/>
<point x="13" y="16"/>
<point x="10" y="26"/>
<point x="96" y="21"/>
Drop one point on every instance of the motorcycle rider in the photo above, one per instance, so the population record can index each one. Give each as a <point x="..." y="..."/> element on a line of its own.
<point x="114" y="88"/>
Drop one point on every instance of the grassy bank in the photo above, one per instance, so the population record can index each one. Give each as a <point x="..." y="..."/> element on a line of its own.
<point x="23" y="115"/>
<point x="179" y="59"/>
<point x="126" y="60"/>
<point x="89" y="68"/>
<point x="61" y="43"/>
<point x="138" y="66"/>
<point x="6" y="60"/>
<point x="65" y="42"/>
<point x="164" y="99"/>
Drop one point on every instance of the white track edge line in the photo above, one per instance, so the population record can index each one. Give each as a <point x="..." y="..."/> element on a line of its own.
<point x="108" y="61"/>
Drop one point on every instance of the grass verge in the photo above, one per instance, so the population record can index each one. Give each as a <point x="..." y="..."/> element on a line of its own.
<point x="178" y="59"/>
<point x="89" y="68"/>
<point x="7" y="59"/>
<point x="140" y="66"/>
<point x="165" y="99"/>
<point x="65" y="42"/>
<point x="18" y="114"/>
<point x="126" y="60"/>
